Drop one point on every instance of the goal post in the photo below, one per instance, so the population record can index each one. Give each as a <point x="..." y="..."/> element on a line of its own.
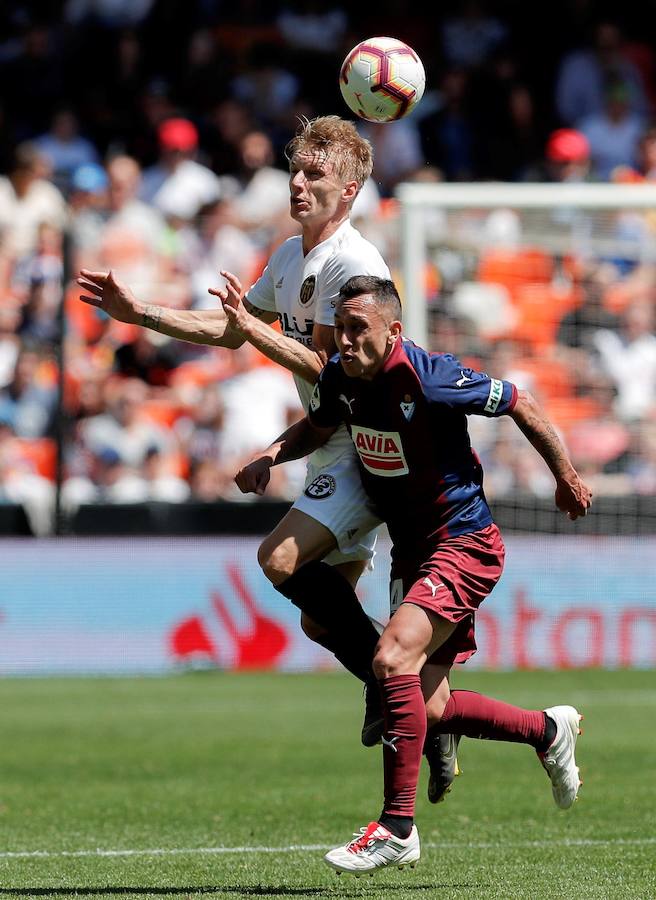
<point x="418" y="198"/>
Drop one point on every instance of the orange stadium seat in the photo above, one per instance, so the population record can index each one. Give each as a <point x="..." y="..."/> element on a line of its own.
<point x="540" y="308"/>
<point x="552" y="378"/>
<point x="41" y="453"/>
<point x="569" y="411"/>
<point x="513" y="268"/>
<point x="162" y="413"/>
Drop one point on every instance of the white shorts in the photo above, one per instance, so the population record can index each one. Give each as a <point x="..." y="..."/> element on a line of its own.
<point x="333" y="495"/>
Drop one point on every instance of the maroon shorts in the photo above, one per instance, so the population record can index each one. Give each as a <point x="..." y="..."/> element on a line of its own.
<point x="452" y="582"/>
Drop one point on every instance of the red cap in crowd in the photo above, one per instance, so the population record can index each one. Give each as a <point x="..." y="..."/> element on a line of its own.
<point x="567" y="145"/>
<point x="177" y="134"/>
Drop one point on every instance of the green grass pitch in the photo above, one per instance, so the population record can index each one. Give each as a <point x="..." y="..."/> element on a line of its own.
<point x="142" y="788"/>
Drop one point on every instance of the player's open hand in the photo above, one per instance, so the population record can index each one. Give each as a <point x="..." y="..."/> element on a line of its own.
<point x="254" y="477"/>
<point x="230" y="297"/>
<point x="106" y="292"/>
<point x="573" y="497"/>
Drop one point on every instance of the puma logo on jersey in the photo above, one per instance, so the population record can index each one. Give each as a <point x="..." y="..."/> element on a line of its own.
<point x="380" y="452"/>
<point x="433" y="587"/>
<point x="348" y="402"/>
<point x="463" y="380"/>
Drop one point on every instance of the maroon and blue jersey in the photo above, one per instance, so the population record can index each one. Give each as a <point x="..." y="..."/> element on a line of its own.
<point x="409" y="428"/>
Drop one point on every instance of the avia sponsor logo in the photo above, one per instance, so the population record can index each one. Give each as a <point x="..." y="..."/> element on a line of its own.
<point x="381" y="452"/>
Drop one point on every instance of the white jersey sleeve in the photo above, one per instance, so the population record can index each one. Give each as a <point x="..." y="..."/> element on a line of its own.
<point x="353" y="257"/>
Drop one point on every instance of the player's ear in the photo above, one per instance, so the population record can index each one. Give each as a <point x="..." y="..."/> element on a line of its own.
<point x="350" y="191"/>
<point x="395" y="331"/>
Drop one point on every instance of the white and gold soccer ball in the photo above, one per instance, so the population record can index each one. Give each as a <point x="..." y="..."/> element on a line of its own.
<point x="382" y="79"/>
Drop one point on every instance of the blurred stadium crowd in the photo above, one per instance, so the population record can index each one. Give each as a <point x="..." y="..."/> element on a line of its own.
<point x="148" y="136"/>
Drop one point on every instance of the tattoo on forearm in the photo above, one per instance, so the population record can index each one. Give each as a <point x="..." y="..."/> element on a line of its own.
<point x="254" y="311"/>
<point x="546" y="442"/>
<point x="151" y="317"/>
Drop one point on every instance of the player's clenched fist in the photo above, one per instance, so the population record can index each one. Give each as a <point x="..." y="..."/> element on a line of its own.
<point x="573" y="497"/>
<point x="254" y="477"/>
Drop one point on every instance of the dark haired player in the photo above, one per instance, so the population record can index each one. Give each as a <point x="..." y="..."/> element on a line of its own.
<point x="406" y="413"/>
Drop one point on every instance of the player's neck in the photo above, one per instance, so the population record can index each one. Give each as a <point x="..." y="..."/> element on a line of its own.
<point x="312" y="236"/>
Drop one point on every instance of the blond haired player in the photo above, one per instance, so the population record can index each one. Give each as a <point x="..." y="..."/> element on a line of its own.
<point x="329" y="533"/>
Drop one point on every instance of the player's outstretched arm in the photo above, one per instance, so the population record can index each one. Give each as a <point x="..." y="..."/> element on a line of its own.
<point x="249" y="322"/>
<point x="299" y="440"/>
<point x="573" y="496"/>
<point x="105" y="291"/>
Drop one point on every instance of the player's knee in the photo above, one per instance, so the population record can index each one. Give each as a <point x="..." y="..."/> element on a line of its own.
<point x="435" y="709"/>
<point x="276" y="563"/>
<point x="391" y="658"/>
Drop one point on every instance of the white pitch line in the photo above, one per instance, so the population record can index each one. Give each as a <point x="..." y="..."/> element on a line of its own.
<point x="295" y="848"/>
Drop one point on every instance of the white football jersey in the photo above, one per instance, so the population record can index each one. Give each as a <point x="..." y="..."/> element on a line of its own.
<point x="303" y="291"/>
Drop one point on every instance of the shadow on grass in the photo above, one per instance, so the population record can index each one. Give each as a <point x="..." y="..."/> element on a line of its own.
<point x="360" y="889"/>
<point x="189" y="891"/>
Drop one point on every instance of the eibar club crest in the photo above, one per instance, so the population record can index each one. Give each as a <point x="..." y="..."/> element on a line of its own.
<point x="307" y="290"/>
<point x="408" y="407"/>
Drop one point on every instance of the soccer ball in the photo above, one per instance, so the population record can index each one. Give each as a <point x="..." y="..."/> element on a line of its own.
<point x="382" y="79"/>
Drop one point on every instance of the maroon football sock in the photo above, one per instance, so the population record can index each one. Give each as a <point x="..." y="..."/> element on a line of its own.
<point x="476" y="716"/>
<point x="403" y="742"/>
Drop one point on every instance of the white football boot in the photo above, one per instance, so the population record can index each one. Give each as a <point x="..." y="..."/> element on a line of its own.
<point x="559" y="760"/>
<point x="373" y="848"/>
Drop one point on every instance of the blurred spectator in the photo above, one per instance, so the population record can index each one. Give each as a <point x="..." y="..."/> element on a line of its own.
<point x="133" y="236"/>
<point x="262" y="196"/>
<point x="645" y="167"/>
<point x="32" y="79"/>
<point x="27" y="403"/>
<point x="9" y="341"/>
<point x="20" y="483"/>
<point x="87" y="203"/>
<point x="629" y="359"/>
<point x="27" y="200"/>
<point x="271" y="398"/>
<point x="469" y="38"/>
<point x="397" y="151"/>
<point x="614" y="133"/>
<point x="123" y="428"/>
<point x="447" y="135"/>
<point x="578" y="328"/>
<point x="65" y="148"/>
<point x="207" y="70"/>
<point x="226" y="124"/>
<point x="220" y="245"/>
<point x="178" y="185"/>
<point x="566" y="158"/>
<point x="42" y="276"/>
<point x="127" y="212"/>
<point x="149" y="357"/>
<point x="313" y="26"/>
<point x="641" y="467"/>
<point x="266" y="86"/>
<point x="509" y="128"/>
<point x="209" y="482"/>
<point x="583" y="76"/>
<point x="112" y="480"/>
